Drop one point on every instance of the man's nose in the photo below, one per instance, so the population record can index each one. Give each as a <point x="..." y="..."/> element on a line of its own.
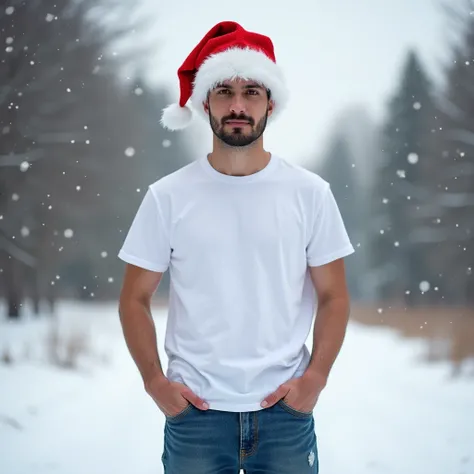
<point x="237" y="105"/>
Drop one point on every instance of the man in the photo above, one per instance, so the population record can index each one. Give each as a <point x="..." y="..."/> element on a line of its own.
<point x="250" y="240"/>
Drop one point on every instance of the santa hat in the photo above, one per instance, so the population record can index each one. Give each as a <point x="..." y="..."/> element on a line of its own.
<point x="226" y="52"/>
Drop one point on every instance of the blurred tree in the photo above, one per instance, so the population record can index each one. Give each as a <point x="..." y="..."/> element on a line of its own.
<point x="338" y="169"/>
<point x="454" y="259"/>
<point x="78" y="148"/>
<point x="401" y="239"/>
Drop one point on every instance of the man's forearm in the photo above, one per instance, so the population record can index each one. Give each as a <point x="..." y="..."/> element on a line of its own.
<point x="328" y="335"/>
<point x="140" y="336"/>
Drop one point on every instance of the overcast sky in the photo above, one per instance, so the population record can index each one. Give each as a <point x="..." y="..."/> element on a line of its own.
<point x="334" y="53"/>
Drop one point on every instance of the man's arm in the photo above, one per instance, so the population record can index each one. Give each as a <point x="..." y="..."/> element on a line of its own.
<point x="332" y="317"/>
<point x="136" y="319"/>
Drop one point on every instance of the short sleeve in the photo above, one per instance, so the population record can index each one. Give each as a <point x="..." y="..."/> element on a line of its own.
<point x="329" y="240"/>
<point x="147" y="242"/>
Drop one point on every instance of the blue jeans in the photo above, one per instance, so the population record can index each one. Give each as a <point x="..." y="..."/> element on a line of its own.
<point x="274" y="440"/>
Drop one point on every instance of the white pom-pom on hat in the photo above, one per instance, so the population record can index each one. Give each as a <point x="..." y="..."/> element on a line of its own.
<point x="175" y="117"/>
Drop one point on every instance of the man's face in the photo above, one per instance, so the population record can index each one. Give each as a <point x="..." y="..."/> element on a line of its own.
<point x="238" y="111"/>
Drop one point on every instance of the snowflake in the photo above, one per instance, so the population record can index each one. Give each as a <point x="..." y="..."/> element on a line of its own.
<point x="25" y="232"/>
<point x="68" y="233"/>
<point x="24" y="166"/>
<point x="424" y="286"/>
<point x="9" y="10"/>
<point x="412" y="158"/>
<point x="401" y="173"/>
<point x="417" y="106"/>
<point x="166" y="143"/>
<point x="49" y="17"/>
<point x="130" y="151"/>
<point x="103" y="254"/>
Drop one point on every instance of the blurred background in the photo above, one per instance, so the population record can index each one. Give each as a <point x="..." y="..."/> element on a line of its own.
<point x="382" y="106"/>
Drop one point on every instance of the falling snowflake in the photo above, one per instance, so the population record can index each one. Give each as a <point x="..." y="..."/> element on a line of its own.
<point x="9" y="49"/>
<point x="385" y="200"/>
<point x="138" y="190"/>
<point x="15" y="197"/>
<point x="103" y="254"/>
<point x="401" y="173"/>
<point x="110" y="280"/>
<point x="424" y="286"/>
<point x="25" y="232"/>
<point x="380" y="310"/>
<point x="68" y="89"/>
<point x="417" y="106"/>
<point x="68" y="233"/>
<point x="413" y="158"/>
<point x="24" y="166"/>
<point x="9" y="40"/>
<point x="166" y="143"/>
<point x="138" y="91"/>
<point x="130" y="151"/>
<point x="49" y="17"/>
<point x="397" y="244"/>
<point x="78" y="188"/>
<point x="9" y="10"/>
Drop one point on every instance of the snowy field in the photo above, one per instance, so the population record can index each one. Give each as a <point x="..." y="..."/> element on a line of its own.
<point x="384" y="410"/>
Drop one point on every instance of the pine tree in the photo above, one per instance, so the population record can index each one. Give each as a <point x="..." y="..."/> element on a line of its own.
<point x="454" y="259"/>
<point x="402" y="189"/>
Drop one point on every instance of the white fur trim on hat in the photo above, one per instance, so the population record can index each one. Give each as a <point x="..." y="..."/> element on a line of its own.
<point x="175" y="117"/>
<point x="242" y="63"/>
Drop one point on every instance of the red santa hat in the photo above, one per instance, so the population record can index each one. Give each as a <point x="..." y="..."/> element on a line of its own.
<point x="226" y="52"/>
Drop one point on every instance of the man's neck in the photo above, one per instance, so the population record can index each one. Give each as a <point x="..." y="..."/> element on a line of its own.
<point x="239" y="162"/>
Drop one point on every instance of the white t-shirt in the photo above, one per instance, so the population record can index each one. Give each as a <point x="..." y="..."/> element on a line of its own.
<point x="241" y="300"/>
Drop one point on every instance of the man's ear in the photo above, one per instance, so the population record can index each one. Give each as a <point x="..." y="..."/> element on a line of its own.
<point x="271" y="106"/>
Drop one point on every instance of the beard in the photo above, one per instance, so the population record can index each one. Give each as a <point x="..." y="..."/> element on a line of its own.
<point x="237" y="136"/>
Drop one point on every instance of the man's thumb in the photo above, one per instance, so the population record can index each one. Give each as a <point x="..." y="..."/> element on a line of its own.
<point x="274" y="397"/>
<point x="194" y="399"/>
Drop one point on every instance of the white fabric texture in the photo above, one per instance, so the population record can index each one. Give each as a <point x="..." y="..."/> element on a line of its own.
<point x="238" y="249"/>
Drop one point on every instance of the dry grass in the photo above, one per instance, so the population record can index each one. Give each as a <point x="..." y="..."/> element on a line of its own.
<point x="64" y="349"/>
<point x="449" y="332"/>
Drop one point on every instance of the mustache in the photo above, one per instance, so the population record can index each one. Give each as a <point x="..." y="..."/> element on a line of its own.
<point x="250" y="120"/>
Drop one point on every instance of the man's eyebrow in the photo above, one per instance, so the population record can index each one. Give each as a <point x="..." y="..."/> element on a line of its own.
<point x="247" y="86"/>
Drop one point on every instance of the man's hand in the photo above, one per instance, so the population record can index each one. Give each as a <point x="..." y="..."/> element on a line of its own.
<point x="301" y="393"/>
<point x="172" y="397"/>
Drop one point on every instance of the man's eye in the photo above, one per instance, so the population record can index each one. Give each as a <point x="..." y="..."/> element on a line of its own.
<point x="223" y="91"/>
<point x="253" y="91"/>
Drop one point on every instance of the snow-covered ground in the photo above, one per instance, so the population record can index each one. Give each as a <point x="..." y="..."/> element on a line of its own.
<point x="384" y="410"/>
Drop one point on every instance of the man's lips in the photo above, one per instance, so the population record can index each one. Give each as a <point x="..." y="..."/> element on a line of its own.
<point x="237" y="122"/>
